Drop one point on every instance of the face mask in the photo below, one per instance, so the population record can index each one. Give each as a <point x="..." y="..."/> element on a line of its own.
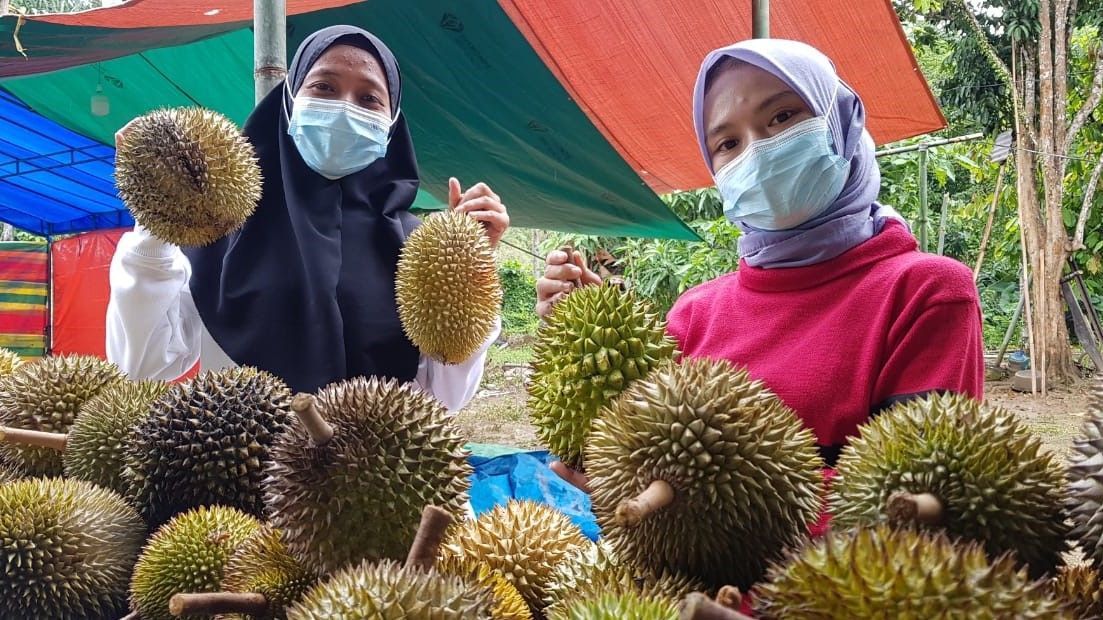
<point x="337" y="138"/>
<point x="783" y="181"/>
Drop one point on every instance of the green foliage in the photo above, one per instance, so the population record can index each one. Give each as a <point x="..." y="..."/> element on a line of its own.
<point x="518" y="298"/>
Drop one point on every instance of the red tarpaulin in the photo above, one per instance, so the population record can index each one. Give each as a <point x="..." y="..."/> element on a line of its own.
<point x="81" y="289"/>
<point x="631" y="66"/>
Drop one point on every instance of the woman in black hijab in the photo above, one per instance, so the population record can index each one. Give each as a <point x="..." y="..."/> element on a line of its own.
<point x="305" y="289"/>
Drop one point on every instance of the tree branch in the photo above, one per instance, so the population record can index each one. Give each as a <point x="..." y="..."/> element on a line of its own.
<point x="1086" y="206"/>
<point x="1091" y="102"/>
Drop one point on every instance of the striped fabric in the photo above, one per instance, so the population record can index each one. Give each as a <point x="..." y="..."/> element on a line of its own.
<point x="23" y="311"/>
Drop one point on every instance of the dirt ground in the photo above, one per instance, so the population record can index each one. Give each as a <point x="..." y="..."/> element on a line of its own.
<point x="498" y="414"/>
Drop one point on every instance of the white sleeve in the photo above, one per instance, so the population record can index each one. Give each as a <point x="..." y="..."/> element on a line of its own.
<point x="455" y="385"/>
<point x="153" y="328"/>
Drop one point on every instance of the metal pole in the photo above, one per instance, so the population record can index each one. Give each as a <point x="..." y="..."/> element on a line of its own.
<point x="942" y="224"/>
<point x="922" y="224"/>
<point x="269" y="45"/>
<point x="760" y="19"/>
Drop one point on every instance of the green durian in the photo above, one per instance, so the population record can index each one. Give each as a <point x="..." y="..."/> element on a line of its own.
<point x="9" y="361"/>
<point x="95" y="448"/>
<point x="984" y="476"/>
<point x="1081" y="589"/>
<point x="625" y="605"/>
<point x="508" y="602"/>
<point x="187" y="554"/>
<point x="597" y="341"/>
<point x="388" y="591"/>
<point x="66" y="550"/>
<point x="1085" y="478"/>
<point x="877" y="572"/>
<point x="358" y="494"/>
<point x="447" y="288"/>
<point x="206" y="441"/>
<point x="524" y="540"/>
<point x="700" y="471"/>
<point x="45" y="396"/>
<point x="187" y="175"/>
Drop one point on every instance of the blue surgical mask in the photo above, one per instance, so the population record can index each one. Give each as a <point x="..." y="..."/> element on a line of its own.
<point x="785" y="180"/>
<point x="337" y="138"/>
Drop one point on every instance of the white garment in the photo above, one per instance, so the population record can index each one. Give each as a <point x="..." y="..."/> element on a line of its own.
<point x="154" y="330"/>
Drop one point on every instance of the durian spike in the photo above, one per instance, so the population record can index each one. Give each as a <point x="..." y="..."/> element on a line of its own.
<point x="697" y="606"/>
<point x="210" y="603"/>
<point x="23" y="437"/>
<point x="922" y="508"/>
<point x="430" y="533"/>
<point x="306" y="407"/>
<point x="569" y="251"/>
<point x="730" y="597"/>
<point x="658" y="495"/>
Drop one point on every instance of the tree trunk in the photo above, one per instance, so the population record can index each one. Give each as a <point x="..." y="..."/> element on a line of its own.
<point x="8" y="233"/>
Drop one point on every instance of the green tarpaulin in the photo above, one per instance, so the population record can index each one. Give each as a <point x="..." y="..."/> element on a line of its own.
<point x="481" y="104"/>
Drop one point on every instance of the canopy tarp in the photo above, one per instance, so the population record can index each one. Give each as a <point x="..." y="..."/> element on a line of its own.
<point x="53" y="180"/>
<point x="482" y="102"/>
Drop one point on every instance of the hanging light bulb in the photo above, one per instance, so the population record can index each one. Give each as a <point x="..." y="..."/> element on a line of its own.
<point x="101" y="105"/>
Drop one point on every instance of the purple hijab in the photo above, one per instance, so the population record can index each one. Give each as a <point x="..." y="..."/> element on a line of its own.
<point x="855" y="216"/>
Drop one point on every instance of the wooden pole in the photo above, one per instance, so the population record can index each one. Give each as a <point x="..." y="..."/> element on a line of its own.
<point x="923" y="199"/>
<point x="991" y="219"/>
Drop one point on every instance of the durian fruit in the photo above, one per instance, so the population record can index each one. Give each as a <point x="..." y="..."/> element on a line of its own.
<point x="187" y="554"/>
<point x="508" y="602"/>
<point x="447" y="287"/>
<point x="595" y="570"/>
<point x="187" y="175"/>
<point x="9" y="361"/>
<point x="66" y="549"/>
<point x="263" y="565"/>
<point x="350" y="480"/>
<point x="1085" y="478"/>
<point x="949" y="462"/>
<point x="95" y="448"/>
<point x="524" y="540"/>
<point x="45" y="396"/>
<point x="260" y="580"/>
<point x="206" y="441"/>
<point x="386" y="591"/>
<point x="1081" y="589"/>
<point x="624" y="605"/>
<point x="595" y="343"/>
<point x="880" y="572"/>
<point x="700" y="471"/>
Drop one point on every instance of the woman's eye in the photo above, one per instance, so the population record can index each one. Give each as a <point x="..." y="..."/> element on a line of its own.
<point x="782" y="117"/>
<point x="727" y="145"/>
<point x="322" y="86"/>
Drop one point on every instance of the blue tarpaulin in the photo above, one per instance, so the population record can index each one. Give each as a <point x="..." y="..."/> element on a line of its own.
<point x="500" y="477"/>
<point x="54" y="181"/>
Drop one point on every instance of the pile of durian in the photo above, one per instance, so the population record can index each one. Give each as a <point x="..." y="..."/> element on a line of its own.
<point x="228" y="496"/>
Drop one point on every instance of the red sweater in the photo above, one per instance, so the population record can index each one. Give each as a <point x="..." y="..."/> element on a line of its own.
<point x="840" y="340"/>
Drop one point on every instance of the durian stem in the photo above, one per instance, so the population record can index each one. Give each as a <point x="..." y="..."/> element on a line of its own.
<point x="730" y="597"/>
<point x="131" y="616"/>
<point x="697" y="606"/>
<point x="210" y="603"/>
<point x="658" y="495"/>
<point x="919" y="508"/>
<point x="23" y="437"/>
<point x="306" y="407"/>
<point x="430" y="533"/>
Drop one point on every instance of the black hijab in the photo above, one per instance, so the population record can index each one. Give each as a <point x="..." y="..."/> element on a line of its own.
<point x="306" y="289"/>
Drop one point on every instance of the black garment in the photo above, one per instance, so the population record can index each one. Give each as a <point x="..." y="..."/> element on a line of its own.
<point x="306" y="289"/>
